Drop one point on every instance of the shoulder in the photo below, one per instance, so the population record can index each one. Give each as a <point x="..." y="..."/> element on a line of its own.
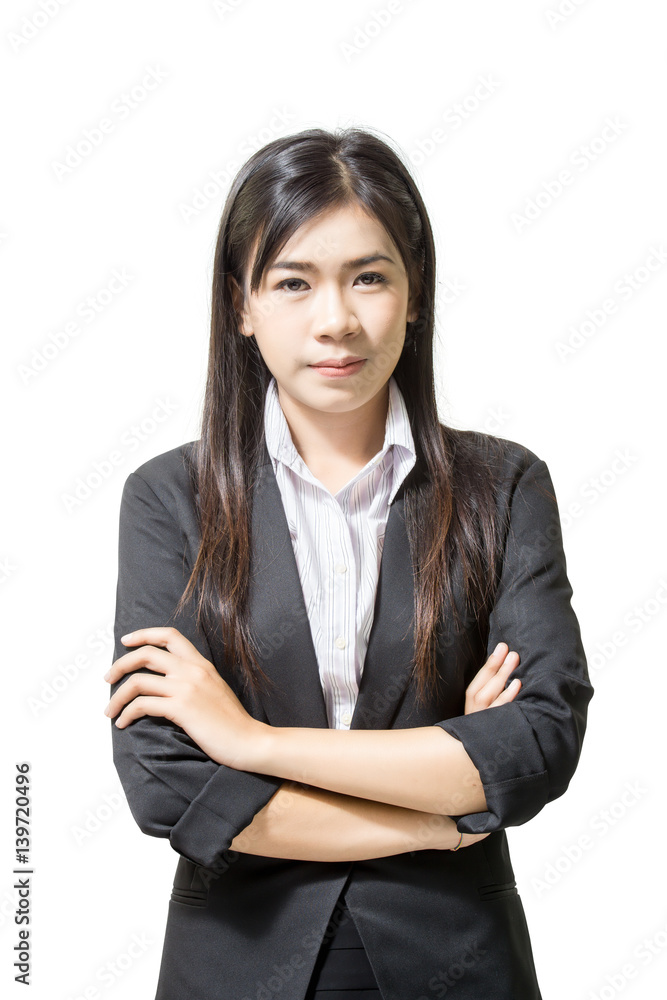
<point x="493" y="472"/>
<point x="501" y="457"/>
<point x="485" y="465"/>
<point x="167" y="476"/>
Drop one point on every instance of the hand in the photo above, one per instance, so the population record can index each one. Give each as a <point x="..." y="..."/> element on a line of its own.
<point x="468" y="839"/>
<point x="446" y="835"/>
<point x="186" y="689"/>
<point x="487" y="688"/>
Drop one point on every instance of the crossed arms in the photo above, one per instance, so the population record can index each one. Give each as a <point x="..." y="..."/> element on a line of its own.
<point x="378" y="791"/>
<point x="367" y="819"/>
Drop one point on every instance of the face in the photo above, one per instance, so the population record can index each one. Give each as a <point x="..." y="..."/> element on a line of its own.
<point x="314" y="305"/>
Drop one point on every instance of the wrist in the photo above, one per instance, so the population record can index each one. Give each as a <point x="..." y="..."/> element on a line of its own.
<point x="277" y="750"/>
<point x="459" y="843"/>
<point x="432" y="831"/>
<point x="259" y="748"/>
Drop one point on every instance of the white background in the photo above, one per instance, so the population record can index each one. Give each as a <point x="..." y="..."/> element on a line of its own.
<point x="224" y="82"/>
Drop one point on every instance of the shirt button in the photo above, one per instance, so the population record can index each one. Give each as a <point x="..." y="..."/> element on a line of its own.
<point x="340" y="642"/>
<point x="346" y="718"/>
<point x="341" y="568"/>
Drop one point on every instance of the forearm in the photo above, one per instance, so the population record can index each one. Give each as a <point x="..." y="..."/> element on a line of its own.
<point x="313" y="824"/>
<point x="425" y="769"/>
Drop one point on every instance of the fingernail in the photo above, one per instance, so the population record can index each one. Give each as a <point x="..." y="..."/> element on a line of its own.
<point x="107" y="675"/>
<point x="128" y="635"/>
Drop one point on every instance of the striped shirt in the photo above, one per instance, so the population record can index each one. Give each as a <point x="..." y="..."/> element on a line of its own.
<point x="337" y="541"/>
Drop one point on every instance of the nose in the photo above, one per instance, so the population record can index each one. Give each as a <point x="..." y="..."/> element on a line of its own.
<point x="333" y="315"/>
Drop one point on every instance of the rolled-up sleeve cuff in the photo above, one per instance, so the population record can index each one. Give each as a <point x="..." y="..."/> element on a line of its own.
<point x="502" y="745"/>
<point x="203" y="834"/>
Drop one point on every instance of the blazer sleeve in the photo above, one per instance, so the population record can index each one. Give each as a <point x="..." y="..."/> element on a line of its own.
<point x="173" y="788"/>
<point x="527" y="750"/>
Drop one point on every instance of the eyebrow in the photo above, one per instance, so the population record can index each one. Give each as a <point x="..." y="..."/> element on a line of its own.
<point x="348" y="265"/>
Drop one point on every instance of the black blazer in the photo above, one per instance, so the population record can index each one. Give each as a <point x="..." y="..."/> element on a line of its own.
<point x="243" y="927"/>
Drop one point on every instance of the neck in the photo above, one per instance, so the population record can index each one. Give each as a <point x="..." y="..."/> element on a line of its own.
<point x="354" y="436"/>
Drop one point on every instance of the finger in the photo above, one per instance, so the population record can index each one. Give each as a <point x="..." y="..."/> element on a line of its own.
<point x="510" y="692"/>
<point x="489" y="669"/>
<point x="165" y="636"/>
<point x="496" y="683"/>
<point x="142" y="706"/>
<point x="138" y="684"/>
<point x="153" y="657"/>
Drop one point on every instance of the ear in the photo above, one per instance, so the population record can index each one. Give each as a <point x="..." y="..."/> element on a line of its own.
<point x="237" y="298"/>
<point x="413" y="310"/>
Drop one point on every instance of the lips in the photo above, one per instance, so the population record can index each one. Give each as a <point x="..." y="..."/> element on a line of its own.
<point x="337" y="363"/>
<point x="339" y="368"/>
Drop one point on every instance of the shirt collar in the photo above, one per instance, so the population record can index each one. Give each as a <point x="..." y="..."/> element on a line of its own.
<point x="397" y="433"/>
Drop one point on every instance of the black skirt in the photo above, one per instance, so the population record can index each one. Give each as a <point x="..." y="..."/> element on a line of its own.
<point x="342" y="970"/>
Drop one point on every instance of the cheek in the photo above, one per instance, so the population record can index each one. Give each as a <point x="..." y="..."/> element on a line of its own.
<point x="386" y="319"/>
<point x="389" y="331"/>
<point x="279" y="351"/>
<point x="272" y="336"/>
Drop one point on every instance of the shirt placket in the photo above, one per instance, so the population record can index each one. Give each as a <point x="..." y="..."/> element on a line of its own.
<point x="342" y="598"/>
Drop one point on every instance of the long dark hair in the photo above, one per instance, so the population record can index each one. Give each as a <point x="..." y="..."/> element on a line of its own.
<point x="449" y="501"/>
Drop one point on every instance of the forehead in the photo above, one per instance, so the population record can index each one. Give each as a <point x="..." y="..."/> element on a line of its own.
<point x="337" y="228"/>
<point x="344" y="237"/>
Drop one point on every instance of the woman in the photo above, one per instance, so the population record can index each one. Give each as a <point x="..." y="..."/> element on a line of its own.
<point x="319" y="597"/>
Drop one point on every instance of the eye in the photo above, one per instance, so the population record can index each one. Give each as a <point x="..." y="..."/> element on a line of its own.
<point x="286" y="281"/>
<point x="373" y="274"/>
<point x="380" y="279"/>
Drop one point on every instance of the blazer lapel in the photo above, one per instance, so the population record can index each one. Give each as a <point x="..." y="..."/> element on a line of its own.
<point x="388" y="661"/>
<point x="281" y="630"/>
